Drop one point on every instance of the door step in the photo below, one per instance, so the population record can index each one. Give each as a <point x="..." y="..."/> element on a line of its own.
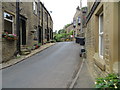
<point x="25" y="50"/>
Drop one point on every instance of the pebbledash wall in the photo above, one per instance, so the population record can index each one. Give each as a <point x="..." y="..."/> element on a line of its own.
<point x="33" y="21"/>
<point x="109" y="63"/>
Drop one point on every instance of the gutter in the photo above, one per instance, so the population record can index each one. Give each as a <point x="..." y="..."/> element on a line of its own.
<point x="96" y="3"/>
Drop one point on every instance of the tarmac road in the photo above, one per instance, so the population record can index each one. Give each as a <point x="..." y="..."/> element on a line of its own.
<point x="51" y="68"/>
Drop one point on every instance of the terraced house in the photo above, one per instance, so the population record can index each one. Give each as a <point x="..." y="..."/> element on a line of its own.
<point x="79" y="21"/>
<point x="102" y="37"/>
<point x="35" y="22"/>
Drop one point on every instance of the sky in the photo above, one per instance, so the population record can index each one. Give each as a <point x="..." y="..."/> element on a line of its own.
<point x="62" y="11"/>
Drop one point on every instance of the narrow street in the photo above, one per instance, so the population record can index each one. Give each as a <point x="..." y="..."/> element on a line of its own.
<point x="51" y="68"/>
<point x="60" y="44"/>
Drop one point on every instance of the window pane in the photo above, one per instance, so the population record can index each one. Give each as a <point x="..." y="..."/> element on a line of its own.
<point x="101" y="40"/>
<point x="74" y="22"/>
<point x="33" y="6"/>
<point x="79" y="21"/>
<point x="101" y="23"/>
<point x="8" y="16"/>
<point x="8" y="26"/>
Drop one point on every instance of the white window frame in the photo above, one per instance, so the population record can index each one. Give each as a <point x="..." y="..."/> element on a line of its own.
<point x="79" y="19"/>
<point x="101" y="39"/>
<point x="12" y="21"/>
<point x="35" y="7"/>
<point x="74" y="22"/>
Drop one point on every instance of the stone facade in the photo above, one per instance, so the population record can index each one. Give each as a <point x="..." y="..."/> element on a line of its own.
<point x="0" y="31"/>
<point x="108" y="62"/>
<point x="83" y="15"/>
<point x="8" y="47"/>
<point x="35" y="20"/>
<point x="77" y="22"/>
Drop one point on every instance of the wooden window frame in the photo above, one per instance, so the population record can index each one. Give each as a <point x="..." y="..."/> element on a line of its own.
<point x="12" y="21"/>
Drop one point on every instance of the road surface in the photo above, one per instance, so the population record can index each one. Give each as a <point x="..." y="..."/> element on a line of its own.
<point x="51" y="68"/>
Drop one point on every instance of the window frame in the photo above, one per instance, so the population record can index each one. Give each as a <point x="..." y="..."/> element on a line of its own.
<point x="101" y="33"/>
<point x="12" y="21"/>
<point x="74" y="22"/>
<point x="35" y="7"/>
<point x="79" y="20"/>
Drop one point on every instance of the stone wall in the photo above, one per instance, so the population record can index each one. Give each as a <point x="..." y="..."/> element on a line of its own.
<point x="8" y="47"/>
<point x="99" y="66"/>
<point x="0" y="31"/>
<point x="31" y="22"/>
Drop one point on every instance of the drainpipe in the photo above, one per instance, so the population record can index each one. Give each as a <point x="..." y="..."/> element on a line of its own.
<point x="47" y="29"/>
<point x="42" y="24"/>
<point x="18" y="27"/>
<point x="39" y="37"/>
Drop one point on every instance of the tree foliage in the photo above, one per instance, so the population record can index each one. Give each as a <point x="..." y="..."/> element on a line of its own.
<point x="61" y="31"/>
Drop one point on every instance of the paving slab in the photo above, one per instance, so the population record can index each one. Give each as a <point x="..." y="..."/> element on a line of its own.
<point x="85" y="79"/>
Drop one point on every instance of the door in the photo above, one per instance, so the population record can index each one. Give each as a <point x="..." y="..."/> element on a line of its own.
<point x="23" y="30"/>
<point x="39" y="35"/>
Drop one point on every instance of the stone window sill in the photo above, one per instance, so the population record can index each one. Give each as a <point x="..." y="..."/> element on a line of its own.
<point x="99" y="62"/>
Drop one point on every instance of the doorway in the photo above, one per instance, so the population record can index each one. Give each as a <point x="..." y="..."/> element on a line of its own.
<point x="23" y="30"/>
<point x="39" y="35"/>
<point x="48" y="35"/>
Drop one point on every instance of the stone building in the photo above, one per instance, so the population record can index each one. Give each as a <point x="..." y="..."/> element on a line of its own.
<point x="0" y="31"/>
<point x="36" y="25"/>
<point x="77" y="22"/>
<point x="69" y="28"/>
<point x="83" y="15"/>
<point x="102" y="33"/>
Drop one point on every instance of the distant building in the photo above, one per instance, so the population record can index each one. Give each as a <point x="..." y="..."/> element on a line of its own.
<point x="77" y="22"/>
<point x="68" y="28"/>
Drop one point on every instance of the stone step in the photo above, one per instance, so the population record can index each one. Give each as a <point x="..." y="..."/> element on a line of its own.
<point x="25" y="50"/>
<point x="25" y="53"/>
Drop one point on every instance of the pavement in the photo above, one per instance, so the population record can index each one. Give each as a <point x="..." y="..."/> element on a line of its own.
<point x="54" y="67"/>
<point x="23" y="57"/>
<point x="84" y="78"/>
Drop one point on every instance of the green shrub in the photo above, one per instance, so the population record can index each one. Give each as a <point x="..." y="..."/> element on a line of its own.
<point x="61" y="37"/>
<point x="111" y="81"/>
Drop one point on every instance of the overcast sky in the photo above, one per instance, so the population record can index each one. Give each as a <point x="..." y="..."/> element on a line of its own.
<point x="62" y="11"/>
